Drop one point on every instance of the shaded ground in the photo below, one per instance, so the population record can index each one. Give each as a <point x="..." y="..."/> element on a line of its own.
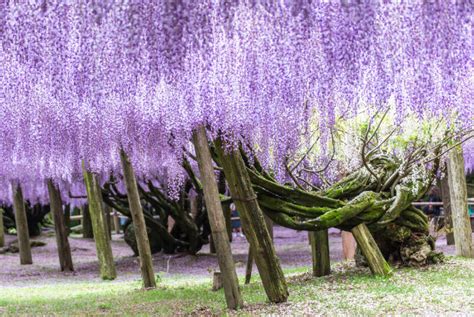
<point x="292" y="248"/>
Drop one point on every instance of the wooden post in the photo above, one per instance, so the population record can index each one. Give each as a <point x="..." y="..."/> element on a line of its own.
<point x="228" y="220"/>
<point x="253" y="224"/>
<point x="458" y="197"/>
<point x="249" y="267"/>
<point x="21" y="225"/>
<point x="320" y="252"/>
<point x="64" y="250"/>
<point x="67" y="218"/>
<point x="348" y="245"/>
<point x="217" y="220"/>
<point x="448" y="219"/>
<point x="217" y="282"/>
<point x="141" y="234"/>
<point x="2" y="230"/>
<point x="193" y="206"/>
<point x="269" y="224"/>
<point x="101" y="237"/>
<point x="87" y="232"/>
<point x="212" y="245"/>
<point x="116" y="222"/>
<point x="108" y="217"/>
<point x="221" y="185"/>
<point x="371" y="251"/>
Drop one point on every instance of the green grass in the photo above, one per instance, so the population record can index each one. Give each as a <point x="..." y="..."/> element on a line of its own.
<point x="437" y="289"/>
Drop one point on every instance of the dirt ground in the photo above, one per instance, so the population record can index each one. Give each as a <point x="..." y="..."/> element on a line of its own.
<point x="292" y="248"/>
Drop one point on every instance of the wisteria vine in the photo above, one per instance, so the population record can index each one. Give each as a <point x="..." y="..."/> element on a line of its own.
<point x="81" y="79"/>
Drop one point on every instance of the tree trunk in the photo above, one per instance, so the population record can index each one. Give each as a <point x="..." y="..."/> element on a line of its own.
<point x="253" y="224"/>
<point x="101" y="237"/>
<point x="141" y="234"/>
<point x="87" y="232"/>
<point x="217" y="220"/>
<point x="448" y="219"/>
<point x="320" y="252"/>
<point x="21" y="225"/>
<point x="64" y="250"/>
<point x="371" y="251"/>
<point x="2" y="230"/>
<point x="458" y="197"/>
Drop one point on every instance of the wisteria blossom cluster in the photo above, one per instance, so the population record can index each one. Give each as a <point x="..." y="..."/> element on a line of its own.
<point x="81" y="79"/>
<point x="469" y="156"/>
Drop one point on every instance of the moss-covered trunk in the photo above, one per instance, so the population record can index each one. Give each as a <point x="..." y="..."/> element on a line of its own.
<point x="21" y="225"/>
<point x="253" y="224"/>
<point x="99" y="227"/>
<point x="217" y="220"/>
<point x="62" y="241"/>
<point x="144" y="252"/>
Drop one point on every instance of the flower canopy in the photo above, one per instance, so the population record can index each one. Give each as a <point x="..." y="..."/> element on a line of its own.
<point x="81" y="79"/>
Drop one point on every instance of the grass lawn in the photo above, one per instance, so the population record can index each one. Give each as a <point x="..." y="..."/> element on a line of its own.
<point x="439" y="289"/>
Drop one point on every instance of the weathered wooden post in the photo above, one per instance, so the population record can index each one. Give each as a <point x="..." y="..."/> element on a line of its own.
<point x="320" y="252"/>
<point x="371" y="251"/>
<point x="253" y="223"/>
<point x="458" y="197"/>
<point x="348" y="245"/>
<point x="249" y="266"/>
<point x="21" y="225"/>
<point x="108" y="217"/>
<point x="116" y="222"/>
<point x="228" y="220"/>
<point x="101" y="237"/>
<point x="217" y="220"/>
<point x="141" y="234"/>
<point x="448" y="219"/>
<point x="87" y="232"/>
<point x="221" y="185"/>
<point x="67" y="218"/>
<point x="64" y="250"/>
<point x="2" y="230"/>
<point x="212" y="245"/>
